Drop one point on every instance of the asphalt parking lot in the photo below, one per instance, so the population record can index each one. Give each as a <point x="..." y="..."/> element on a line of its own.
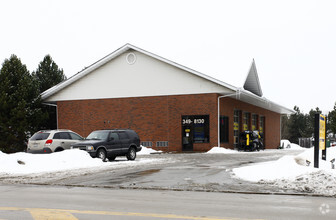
<point x="184" y="172"/>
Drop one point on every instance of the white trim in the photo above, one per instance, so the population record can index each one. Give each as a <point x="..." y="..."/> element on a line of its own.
<point x="116" y="53"/>
<point x="240" y="93"/>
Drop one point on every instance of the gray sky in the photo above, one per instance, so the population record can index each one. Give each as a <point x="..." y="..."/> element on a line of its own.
<point x="293" y="42"/>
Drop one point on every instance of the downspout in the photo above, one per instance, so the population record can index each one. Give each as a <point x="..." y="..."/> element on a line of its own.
<point x="218" y="107"/>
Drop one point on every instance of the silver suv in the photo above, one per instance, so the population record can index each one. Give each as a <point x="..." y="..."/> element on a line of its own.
<point x="49" y="141"/>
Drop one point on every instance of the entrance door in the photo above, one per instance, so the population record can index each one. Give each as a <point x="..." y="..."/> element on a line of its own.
<point x="187" y="134"/>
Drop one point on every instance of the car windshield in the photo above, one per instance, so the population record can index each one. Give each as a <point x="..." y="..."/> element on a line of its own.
<point x="98" y="135"/>
<point x="40" y="136"/>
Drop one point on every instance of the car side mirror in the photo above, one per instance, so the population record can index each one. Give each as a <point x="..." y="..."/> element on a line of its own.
<point x="111" y="138"/>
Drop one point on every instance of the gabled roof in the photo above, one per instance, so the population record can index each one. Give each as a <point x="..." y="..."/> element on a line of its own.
<point x="118" y="52"/>
<point x="250" y="94"/>
<point x="252" y="83"/>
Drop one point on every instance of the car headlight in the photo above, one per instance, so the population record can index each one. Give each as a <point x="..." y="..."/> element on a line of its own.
<point x="88" y="148"/>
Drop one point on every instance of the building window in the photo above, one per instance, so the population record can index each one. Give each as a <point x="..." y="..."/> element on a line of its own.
<point x="236" y="122"/>
<point x="147" y="143"/>
<point x="224" y="129"/>
<point x="262" y="125"/>
<point x="196" y="127"/>
<point x="254" y="122"/>
<point x="246" y="120"/>
<point x="162" y="143"/>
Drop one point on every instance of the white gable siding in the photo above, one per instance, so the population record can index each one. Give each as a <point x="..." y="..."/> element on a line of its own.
<point x="146" y="77"/>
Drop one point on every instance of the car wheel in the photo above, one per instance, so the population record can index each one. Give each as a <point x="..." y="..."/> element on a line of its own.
<point x="111" y="158"/>
<point x="131" y="154"/>
<point x="101" y="153"/>
<point x="59" y="149"/>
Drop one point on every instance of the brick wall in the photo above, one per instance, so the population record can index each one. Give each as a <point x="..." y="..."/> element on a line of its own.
<point x="272" y="121"/>
<point x="159" y="118"/>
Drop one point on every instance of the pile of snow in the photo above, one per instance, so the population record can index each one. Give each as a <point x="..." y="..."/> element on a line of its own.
<point x="221" y="150"/>
<point x="147" y="151"/>
<point x="26" y="163"/>
<point x="285" y="144"/>
<point x="295" y="172"/>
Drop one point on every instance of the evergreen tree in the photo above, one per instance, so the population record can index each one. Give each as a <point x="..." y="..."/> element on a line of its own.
<point x="285" y="120"/>
<point x="47" y="75"/>
<point x="297" y="126"/>
<point x="19" y="101"/>
<point x="310" y="127"/>
<point x="332" y="120"/>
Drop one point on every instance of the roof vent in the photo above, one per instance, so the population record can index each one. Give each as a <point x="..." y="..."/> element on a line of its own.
<point x="131" y="58"/>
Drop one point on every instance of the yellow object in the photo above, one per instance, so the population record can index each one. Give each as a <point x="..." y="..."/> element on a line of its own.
<point x="322" y="143"/>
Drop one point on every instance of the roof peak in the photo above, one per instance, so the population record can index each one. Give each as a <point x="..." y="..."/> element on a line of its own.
<point x="252" y="82"/>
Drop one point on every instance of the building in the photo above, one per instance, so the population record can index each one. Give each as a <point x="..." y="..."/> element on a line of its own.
<point x="170" y="106"/>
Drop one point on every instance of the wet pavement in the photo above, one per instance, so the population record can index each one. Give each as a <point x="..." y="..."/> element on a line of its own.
<point x="187" y="172"/>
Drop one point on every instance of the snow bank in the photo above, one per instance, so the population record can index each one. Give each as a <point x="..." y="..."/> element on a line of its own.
<point x="285" y="144"/>
<point x="221" y="150"/>
<point x="147" y="151"/>
<point x="288" y="167"/>
<point x="295" y="172"/>
<point x="24" y="163"/>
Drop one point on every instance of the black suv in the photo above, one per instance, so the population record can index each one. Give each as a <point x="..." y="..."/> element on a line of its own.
<point x="110" y="144"/>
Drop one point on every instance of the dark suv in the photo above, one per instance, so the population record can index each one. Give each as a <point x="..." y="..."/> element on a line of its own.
<point x="111" y="143"/>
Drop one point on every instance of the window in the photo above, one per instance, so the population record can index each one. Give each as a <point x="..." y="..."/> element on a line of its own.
<point x="98" y="135"/>
<point x="246" y="120"/>
<point x="62" y="135"/>
<point x="75" y="136"/>
<point x="147" y="143"/>
<point x="254" y="122"/>
<point x="236" y="124"/>
<point x="197" y="127"/>
<point x="224" y="129"/>
<point x="40" y="136"/>
<point x="123" y="135"/>
<point x="114" y="136"/>
<point x="262" y="125"/>
<point x="162" y="143"/>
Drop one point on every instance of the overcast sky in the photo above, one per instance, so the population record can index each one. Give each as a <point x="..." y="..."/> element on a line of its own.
<point x="293" y="42"/>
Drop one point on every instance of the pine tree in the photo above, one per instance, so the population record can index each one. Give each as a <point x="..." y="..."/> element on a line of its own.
<point x="19" y="101"/>
<point x="285" y="120"/>
<point x="47" y="75"/>
<point x="297" y="126"/>
<point x="332" y="120"/>
<point x="310" y="127"/>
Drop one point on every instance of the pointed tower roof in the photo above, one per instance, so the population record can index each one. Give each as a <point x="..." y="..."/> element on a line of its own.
<point x="252" y="83"/>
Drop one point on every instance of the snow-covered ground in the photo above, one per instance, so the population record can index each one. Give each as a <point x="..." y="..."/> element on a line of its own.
<point x="289" y="172"/>
<point x="26" y="163"/>
<point x="295" y="172"/>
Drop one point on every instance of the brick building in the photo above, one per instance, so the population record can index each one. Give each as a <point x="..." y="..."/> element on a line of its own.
<point x="171" y="107"/>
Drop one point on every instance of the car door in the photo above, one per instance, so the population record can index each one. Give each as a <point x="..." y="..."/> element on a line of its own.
<point x="124" y="141"/>
<point x="74" y="138"/>
<point x="65" y="140"/>
<point x="113" y="145"/>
